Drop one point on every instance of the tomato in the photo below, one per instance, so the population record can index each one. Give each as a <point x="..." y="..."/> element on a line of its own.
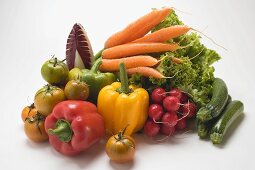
<point x="28" y="111"/>
<point x="34" y="128"/>
<point x="74" y="74"/>
<point x="54" y="71"/>
<point x="47" y="97"/>
<point x="120" y="148"/>
<point x="76" y="90"/>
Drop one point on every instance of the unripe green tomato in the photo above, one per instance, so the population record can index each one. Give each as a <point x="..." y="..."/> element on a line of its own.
<point x="74" y="74"/>
<point x="54" y="71"/>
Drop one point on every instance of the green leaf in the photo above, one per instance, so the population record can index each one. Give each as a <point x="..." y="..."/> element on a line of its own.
<point x="195" y="74"/>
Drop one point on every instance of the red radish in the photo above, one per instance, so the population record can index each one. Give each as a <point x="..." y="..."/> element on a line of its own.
<point x="171" y="103"/>
<point x="155" y="112"/>
<point x="181" y="124"/>
<point x="176" y="92"/>
<point x="151" y="129"/>
<point x="158" y="95"/>
<point x="78" y="49"/>
<point x="184" y="98"/>
<point x="170" y="119"/>
<point x="189" y="109"/>
<point x="167" y="130"/>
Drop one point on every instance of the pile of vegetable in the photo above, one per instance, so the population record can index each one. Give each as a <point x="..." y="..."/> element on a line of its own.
<point x="153" y="76"/>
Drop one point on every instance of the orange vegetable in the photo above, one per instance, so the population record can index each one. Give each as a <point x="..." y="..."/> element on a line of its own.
<point x="28" y="111"/>
<point x="130" y="62"/>
<point x="120" y="147"/>
<point x="34" y="128"/>
<point x="146" y="71"/>
<point x="176" y="60"/>
<point x="164" y="34"/>
<point x="137" y="48"/>
<point x="138" y="28"/>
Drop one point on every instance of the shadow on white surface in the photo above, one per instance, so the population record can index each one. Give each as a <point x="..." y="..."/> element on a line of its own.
<point x="35" y="145"/>
<point x="84" y="159"/>
<point x="124" y="166"/>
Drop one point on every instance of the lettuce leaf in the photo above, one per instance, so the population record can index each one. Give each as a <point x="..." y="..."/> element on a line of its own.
<point x="194" y="74"/>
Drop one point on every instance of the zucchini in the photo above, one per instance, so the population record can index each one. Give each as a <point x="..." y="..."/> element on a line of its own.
<point x="217" y="102"/>
<point x="204" y="128"/>
<point x="232" y="111"/>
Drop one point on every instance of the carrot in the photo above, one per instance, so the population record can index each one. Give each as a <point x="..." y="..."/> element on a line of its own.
<point x="164" y="34"/>
<point x="131" y="49"/>
<point x="130" y="62"/>
<point x="138" y="28"/>
<point x="146" y="71"/>
<point x="176" y="60"/>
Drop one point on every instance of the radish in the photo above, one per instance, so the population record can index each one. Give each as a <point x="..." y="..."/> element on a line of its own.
<point x="151" y="129"/>
<point x="158" y="95"/>
<point x="170" y="119"/>
<point x="184" y="98"/>
<point x="167" y="130"/>
<point x="155" y="112"/>
<point x="171" y="103"/>
<point x="176" y="92"/>
<point x="189" y="109"/>
<point x="181" y="124"/>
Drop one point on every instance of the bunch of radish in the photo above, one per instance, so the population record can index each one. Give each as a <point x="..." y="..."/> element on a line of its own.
<point x="169" y="111"/>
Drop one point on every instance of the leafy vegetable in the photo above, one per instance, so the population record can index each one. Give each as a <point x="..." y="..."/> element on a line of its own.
<point x="195" y="73"/>
<point x="78" y="49"/>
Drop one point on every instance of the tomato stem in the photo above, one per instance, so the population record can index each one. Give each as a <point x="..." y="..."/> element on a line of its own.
<point x="122" y="132"/>
<point x="37" y="118"/>
<point x="55" y="61"/>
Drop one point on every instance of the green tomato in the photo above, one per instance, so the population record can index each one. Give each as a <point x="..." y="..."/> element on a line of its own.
<point x="74" y="74"/>
<point x="76" y="90"/>
<point x="54" y="71"/>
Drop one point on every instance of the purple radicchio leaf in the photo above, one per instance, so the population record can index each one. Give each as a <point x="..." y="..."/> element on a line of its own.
<point x="78" y="49"/>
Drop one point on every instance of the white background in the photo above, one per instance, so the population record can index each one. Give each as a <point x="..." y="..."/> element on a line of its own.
<point x="31" y="31"/>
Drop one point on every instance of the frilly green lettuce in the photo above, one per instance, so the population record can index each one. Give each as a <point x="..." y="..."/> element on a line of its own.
<point x="194" y="74"/>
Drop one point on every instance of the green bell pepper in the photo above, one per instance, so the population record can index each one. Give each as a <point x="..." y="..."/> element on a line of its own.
<point x="96" y="80"/>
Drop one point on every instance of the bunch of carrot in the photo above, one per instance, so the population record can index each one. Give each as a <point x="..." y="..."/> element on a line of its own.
<point x="131" y="45"/>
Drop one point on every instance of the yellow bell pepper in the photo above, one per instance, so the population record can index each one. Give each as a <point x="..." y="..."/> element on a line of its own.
<point x="123" y="106"/>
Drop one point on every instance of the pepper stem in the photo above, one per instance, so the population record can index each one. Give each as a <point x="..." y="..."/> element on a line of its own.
<point x="123" y="79"/>
<point x="98" y="55"/>
<point x="96" y="66"/>
<point x="62" y="130"/>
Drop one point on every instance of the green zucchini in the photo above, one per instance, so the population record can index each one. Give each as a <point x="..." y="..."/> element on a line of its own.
<point x="204" y="128"/>
<point x="230" y="114"/>
<point x="217" y="102"/>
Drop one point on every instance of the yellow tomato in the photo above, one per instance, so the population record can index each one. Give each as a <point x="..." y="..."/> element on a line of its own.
<point x="120" y="148"/>
<point x="47" y="97"/>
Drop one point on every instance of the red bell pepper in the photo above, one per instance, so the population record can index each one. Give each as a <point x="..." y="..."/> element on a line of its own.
<point x="73" y="126"/>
